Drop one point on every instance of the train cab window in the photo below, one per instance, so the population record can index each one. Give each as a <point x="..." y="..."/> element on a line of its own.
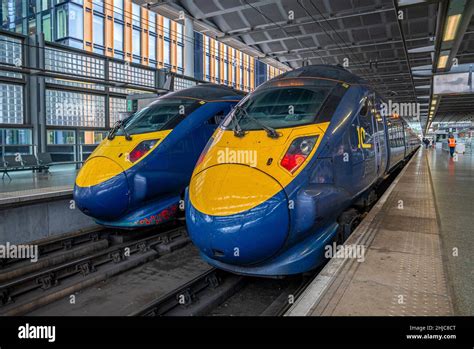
<point x="163" y="114"/>
<point x="288" y="105"/>
<point x="218" y="118"/>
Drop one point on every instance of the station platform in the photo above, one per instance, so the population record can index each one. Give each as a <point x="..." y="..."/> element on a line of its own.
<point x="25" y="186"/>
<point x="418" y="254"/>
<point x="35" y="206"/>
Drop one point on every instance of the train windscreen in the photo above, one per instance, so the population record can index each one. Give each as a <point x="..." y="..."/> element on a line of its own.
<point x="162" y="115"/>
<point x="283" y="107"/>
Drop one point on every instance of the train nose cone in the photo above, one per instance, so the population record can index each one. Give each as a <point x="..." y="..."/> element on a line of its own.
<point x="101" y="189"/>
<point x="237" y="214"/>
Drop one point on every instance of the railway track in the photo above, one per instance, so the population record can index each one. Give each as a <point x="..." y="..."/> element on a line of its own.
<point x="196" y="297"/>
<point x="89" y="258"/>
<point x="218" y="293"/>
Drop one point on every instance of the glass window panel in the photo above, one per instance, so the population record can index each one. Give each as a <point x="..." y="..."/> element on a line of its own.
<point x="136" y="41"/>
<point x="134" y="75"/>
<point x="166" y="52"/>
<point x="152" y="21"/>
<point x="152" y="47"/>
<point x="136" y="15"/>
<point x="61" y="22"/>
<point x="18" y="136"/>
<point x="180" y="56"/>
<point x="166" y="27"/>
<point x="47" y="27"/>
<point x="118" y="36"/>
<point x="74" y="63"/>
<point x="61" y="137"/>
<point x="179" y="30"/>
<point x="65" y="108"/>
<point x="11" y="104"/>
<point x="76" y="22"/>
<point x="98" y="30"/>
<point x="98" y="6"/>
<point x="91" y="137"/>
<point x="118" y="109"/>
<point x="118" y="9"/>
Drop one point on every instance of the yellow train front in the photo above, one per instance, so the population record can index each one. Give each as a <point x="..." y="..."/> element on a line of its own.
<point x="276" y="182"/>
<point x="137" y="175"/>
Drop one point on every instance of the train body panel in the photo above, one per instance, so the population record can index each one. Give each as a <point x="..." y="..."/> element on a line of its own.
<point x="127" y="183"/>
<point x="353" y="146"/>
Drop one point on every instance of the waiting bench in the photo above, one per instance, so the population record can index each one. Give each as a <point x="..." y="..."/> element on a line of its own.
<point x="13" y="163"/>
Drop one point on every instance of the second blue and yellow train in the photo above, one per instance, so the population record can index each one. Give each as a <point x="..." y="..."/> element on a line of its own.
<point x="279" y="179"/>
<point x="137" y="175"/>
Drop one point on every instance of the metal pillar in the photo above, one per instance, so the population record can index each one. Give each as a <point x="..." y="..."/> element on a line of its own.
<point x="189" y="47"/>
<point x="35" y="90"/>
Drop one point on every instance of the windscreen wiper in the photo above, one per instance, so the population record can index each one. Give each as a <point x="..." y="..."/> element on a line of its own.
<point x="271" y="132"/>
<point x="119" y="125"/>
<point x="238" y="132"/>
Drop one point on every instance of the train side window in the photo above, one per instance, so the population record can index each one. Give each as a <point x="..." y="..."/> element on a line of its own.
<point x="354" y="135"/>
<point x="366" y="130"/>
<point x="365" y="107"/>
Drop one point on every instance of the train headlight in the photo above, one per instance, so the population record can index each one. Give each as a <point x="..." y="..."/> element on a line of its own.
<point x="141" y="149"/>
<point x="298" y="152"/>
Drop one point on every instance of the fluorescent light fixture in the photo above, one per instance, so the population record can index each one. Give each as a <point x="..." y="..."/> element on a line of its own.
<point x="442" y="61"/>
<point x="451" y="28"/>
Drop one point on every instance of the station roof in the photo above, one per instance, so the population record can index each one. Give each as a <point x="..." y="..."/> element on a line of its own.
<point x="396" y="45"/>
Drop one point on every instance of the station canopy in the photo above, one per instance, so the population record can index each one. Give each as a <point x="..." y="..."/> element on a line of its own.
<point x="397" y="45"/>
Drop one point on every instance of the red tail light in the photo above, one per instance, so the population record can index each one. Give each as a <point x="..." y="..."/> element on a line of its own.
<point x="141" y="150"/>
<point x="298" y="152"/>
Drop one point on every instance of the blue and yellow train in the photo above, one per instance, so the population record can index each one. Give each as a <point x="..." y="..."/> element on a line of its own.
<point x="137" y="175"/>
<point x="279" y="179"/>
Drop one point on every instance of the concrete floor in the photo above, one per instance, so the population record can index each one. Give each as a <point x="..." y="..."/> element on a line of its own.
<point x="420" y="246"/>
<point x="453" y="183"/>
<point x="59" y="176"/>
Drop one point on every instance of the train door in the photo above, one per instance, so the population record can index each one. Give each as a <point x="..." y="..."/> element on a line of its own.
<point x="366" y="132"/>
<point x="379" y="139"/>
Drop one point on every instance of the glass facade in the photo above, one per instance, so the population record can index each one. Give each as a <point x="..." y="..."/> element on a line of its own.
<point x="10" y="53"/>
<point x="75" y="109"/>
<point x="118" y="108"/>
<point x="70" y="22"/>
<point x="78" y="112"/>
<point x="14" y="141"/>
<point x="11" y="104"/>
<point x="126" y="73"/>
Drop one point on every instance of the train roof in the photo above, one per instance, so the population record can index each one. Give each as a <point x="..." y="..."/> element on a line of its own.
<point x="205" y="92"/>
<point x="325" y="71"/>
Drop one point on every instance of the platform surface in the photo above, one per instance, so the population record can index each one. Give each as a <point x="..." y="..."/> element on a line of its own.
<point x="408" y="266"/>
<point x="26" y="186"/>
<point x="453" y="183"/>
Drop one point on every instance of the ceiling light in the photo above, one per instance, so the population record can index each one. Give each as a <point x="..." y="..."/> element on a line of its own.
<point x="442" y="62"/>
<point x="451" y="27"/>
